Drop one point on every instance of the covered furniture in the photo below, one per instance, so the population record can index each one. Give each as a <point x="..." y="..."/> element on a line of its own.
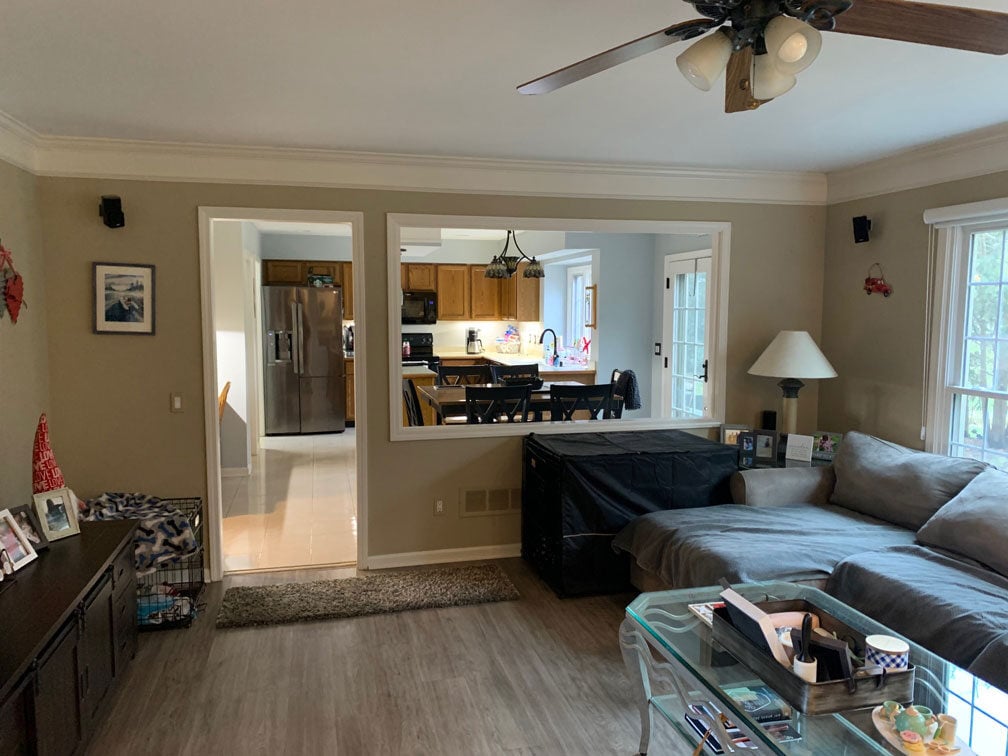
<point x="580" y="489"/>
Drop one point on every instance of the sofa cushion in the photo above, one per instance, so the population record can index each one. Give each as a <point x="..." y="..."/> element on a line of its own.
<point x="992" y="664"/>
<point x="953" y="608"/>
<point x="687" y="548"/>
<point x="896" y="484"/>
<point x="974" y="523"/>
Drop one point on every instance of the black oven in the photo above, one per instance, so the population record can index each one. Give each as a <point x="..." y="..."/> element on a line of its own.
<point x="419" y="307"/>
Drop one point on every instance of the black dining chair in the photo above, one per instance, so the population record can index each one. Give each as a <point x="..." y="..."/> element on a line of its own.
<point x="595" y="400"/>
<point x="497" y="404"/>
<point x="514" y="375"/>
<point x="463" y="375"/>
<point x="414" y="415"/>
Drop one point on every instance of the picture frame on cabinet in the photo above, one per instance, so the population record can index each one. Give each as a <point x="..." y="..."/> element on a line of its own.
<point x="14" y="543"/>
<point x="766" y="446"/>
<point x="28" y="521"/>
<point x="730" y="433"/>
<point x="123" y="298"/>
<point x="56" y="513"/>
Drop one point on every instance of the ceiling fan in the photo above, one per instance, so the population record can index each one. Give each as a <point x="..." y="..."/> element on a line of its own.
<point x="764" y="44"/>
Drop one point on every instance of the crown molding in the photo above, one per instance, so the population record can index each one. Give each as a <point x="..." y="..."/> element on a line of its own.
<point x="18" y="143"/>
<point x="979" y="153"/>
<point x="210" y="163"/>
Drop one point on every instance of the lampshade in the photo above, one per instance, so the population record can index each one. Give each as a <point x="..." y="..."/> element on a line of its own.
<point x="792" y="44"/>
<point x="793" y="354"/>
<point x="768" y="81"/>
<point x="704" y="61"/>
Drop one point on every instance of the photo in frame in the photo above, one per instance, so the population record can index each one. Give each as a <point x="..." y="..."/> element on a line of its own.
<point x="825" y="444"/>
<point x="56" y="514"/>
<point x="28" y="521"/>
<point x="14" y="544"/>
<point x="730" y="433"/>
<point x="747" y="448"/>
<point x="765" y="446"/>
<point x="123" y="298"/>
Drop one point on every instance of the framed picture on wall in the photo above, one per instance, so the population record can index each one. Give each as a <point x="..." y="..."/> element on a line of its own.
<point x="123" y="298"/>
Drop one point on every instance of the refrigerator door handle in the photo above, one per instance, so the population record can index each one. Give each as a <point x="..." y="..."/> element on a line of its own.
<point x="295" y="338"/>
<point x="300" y="337"/>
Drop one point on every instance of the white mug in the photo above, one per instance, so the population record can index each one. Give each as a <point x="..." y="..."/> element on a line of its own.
<point x="887" y="652"/>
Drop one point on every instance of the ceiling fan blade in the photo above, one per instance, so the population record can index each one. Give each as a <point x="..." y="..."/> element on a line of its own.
<point x="927" y="24"/>
<point x="738" y="83"/>
<point x="610" y="58"/>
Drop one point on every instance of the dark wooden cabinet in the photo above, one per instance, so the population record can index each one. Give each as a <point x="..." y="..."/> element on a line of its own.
<point x="74" y="634"/>
<point x="296" y="272"/>
<point x="418" y="277"/>
<point x="57" y="701"/>
<point x="347" y="279"/>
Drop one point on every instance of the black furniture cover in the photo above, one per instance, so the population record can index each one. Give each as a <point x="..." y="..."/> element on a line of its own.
<point x="580" y="489"/>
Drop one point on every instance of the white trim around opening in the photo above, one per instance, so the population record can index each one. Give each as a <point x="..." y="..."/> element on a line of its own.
<point x="206" y="215"/>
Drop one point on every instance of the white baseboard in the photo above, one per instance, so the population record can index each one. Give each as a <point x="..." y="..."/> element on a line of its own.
<point x="236" y="472"/>
<point x="439" y="556"/>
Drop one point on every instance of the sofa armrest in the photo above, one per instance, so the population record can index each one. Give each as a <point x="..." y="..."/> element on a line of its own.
<point x="784" y="485"/>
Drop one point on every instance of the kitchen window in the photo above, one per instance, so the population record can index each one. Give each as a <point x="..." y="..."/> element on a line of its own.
<point x="967" y="408"/>
<point x="578" y="305"/>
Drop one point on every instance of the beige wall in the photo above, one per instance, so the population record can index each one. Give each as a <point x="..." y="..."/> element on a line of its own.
<point x="877" y="344"/>
<point x="24" y="372"/>
<point x="110" y="393"/>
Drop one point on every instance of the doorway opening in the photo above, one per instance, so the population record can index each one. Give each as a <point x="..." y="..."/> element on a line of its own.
<point x="285" y="445"/>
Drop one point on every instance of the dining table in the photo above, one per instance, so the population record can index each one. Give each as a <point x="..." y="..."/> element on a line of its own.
<point x="449" y="401"/>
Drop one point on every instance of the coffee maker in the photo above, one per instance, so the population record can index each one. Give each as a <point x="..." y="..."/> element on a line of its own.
<point x="473" y="343"/>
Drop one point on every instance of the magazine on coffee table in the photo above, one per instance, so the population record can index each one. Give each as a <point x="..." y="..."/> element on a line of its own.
<point x="706" y="611"/>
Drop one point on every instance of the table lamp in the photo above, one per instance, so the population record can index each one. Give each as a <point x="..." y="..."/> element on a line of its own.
<point x="791" y="356"/>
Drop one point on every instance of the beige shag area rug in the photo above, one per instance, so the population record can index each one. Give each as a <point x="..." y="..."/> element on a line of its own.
<point x="360" y="596"/>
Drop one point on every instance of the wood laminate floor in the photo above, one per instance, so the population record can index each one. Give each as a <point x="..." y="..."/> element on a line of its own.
<point x="535" y="676"/>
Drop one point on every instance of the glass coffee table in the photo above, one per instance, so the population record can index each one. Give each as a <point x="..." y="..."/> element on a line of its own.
<point x="674" y="663"/>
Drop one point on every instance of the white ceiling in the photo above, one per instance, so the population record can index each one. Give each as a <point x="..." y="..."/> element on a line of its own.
<point x="438" y="78"/>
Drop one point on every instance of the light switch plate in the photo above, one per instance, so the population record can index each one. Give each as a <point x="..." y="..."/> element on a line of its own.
<point x="176" y="403"/>
<point x="657" y="349"/>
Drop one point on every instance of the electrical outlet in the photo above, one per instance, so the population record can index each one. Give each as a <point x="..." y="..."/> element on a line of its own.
<point x="438" y="507"/>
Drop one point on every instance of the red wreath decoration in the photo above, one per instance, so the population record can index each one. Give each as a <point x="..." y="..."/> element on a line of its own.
<point x="13" y="285"/>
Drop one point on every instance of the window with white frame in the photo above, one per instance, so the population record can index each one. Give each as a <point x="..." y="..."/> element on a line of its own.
<point x="578" y="312"/>
<point x="968" y="374"/>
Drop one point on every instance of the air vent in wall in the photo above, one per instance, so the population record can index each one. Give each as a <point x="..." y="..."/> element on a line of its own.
<point x="480" y="502"/>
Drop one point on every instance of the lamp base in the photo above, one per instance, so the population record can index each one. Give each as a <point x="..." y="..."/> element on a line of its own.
<point x="789" y="408"/>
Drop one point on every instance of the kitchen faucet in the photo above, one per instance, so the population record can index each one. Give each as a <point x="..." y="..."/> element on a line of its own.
<point x="542" y="340"/>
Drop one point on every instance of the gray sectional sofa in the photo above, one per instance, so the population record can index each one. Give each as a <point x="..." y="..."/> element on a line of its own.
<point x="918" y="541"/>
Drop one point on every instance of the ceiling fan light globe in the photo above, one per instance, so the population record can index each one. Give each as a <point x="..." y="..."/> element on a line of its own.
<point x="704" y="61"/>
<point x="768" y="81"/>
<point x="792" y="44"/>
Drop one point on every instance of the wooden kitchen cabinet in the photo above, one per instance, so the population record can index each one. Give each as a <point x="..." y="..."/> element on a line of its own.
<point x="346" y="276"/>
<point x="296" y="272"/>
<point x="453" y="292"/>
<point x="350" y="389"/>
<point x="520" y="296"/>
<point x="283" y="273"/>
<point x="419" y="277"/>
<point x="485" y="294"/>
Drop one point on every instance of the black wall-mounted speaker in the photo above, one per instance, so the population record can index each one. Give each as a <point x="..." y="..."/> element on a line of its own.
<point x="769" y="420"/>
<point x="111" y="211"/>
<point x="862" y="226"/>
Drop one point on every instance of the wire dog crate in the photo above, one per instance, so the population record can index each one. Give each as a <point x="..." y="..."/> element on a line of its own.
<point x="170" y="596"/>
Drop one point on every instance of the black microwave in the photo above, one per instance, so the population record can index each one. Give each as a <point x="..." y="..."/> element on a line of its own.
<point x="419" y="307"/>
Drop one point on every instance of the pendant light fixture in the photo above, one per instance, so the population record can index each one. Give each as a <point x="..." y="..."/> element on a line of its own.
<point x="505" y="265"/>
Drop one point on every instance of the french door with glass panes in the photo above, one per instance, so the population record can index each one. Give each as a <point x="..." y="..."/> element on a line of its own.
<point x="685" y="327"/>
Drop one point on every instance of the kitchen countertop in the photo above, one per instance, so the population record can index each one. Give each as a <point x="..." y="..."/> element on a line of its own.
<point x="515" y="359"/>
<point x="417" y="371"/>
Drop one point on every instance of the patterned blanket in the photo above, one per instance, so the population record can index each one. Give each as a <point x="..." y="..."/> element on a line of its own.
<point x="164" y="536"/>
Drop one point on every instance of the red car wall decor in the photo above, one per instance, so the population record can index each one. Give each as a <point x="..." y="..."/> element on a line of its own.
<point x="877" y="285"/>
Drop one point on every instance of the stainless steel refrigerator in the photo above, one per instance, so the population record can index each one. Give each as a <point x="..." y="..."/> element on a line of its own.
<point x="304" y="378"/>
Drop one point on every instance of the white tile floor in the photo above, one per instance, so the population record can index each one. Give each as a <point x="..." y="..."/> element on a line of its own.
<point x="297" y="508"/>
